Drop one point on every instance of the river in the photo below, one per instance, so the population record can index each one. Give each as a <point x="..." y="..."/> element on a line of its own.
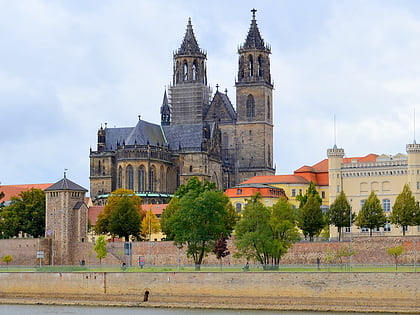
<point x="82" y="310"/>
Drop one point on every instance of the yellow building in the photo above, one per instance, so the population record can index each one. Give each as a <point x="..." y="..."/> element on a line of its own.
<point x="384" y="174"/>
<point x="297" y="184"/>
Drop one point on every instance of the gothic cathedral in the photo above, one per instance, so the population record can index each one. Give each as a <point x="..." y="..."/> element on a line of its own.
<point x="199" y="135"/>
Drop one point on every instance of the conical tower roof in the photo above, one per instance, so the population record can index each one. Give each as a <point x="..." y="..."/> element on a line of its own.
<point x="65" y="184"/>
<point x="164" y="109"/>
<point x="254" y="39"/>
<point x="189" y="45"/>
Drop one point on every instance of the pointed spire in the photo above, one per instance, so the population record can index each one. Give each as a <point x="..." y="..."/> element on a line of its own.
<point x="165" y="111"/>
<point x="254" y="39"/>
<point x="189" y="44"/>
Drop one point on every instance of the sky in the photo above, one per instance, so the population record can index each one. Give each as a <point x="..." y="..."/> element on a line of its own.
<point x="66" y="67"/>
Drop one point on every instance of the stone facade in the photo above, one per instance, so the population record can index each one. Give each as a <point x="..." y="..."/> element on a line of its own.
<point x="66" y="220"/>
<point x="198" y="135"/>
<point x="386" y="175"/>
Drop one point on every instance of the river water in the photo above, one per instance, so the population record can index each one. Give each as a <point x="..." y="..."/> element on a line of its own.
<point x="82" y="310"/>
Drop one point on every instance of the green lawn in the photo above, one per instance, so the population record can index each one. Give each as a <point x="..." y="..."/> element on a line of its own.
<point x="206" y="268"/>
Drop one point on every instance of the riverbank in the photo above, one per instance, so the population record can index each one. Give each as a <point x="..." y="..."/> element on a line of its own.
<point x="349" y="292"/>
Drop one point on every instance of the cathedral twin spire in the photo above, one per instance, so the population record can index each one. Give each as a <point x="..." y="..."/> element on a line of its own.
<point x="254" y="39"/>
<point x="189" y="45"/>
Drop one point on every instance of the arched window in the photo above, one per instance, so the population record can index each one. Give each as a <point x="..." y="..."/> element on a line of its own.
<point x="194" y="70"/>
<point x="130" y="177"/>
<point x="142" y="178"/>
<point x="251" y="66"/>
<point x="241" y="67"/>
<point x="99" y="168"/>
<point x="260" y="66"/>
<point x="152" y="179"/>
<point x="120" y="177"/>
<point x="250" y="106"/>
<point x="268" y="108"/>
<point x="162" y="179"/>
<point x="185" y="68"/>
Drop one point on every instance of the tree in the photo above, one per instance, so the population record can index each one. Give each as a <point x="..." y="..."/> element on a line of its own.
<point x="221" y="249"/>
<point x="170" y="209"/>
<point x="395" y="252"/>
<point x="405" y="211"/>
<point x="311" y="219"/>
<point x="149" y="224"/>
<point x="122" y="215"/>
<point x="339" y="214"/>
<point x="7" y="259"/>
<point x="311" y="191"/>
<point x="266" y="233"/>
<point x="26" y="214"/>
<point x="100" y="248"/>
<point x="371" y="215"/>
<point x="203" y="214"/>
<point x="1" y="197"/>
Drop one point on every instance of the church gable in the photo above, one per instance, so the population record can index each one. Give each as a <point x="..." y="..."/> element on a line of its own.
<point x="220" y="109"/>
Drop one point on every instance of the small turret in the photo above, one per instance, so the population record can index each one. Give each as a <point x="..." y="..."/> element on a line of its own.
<point x="165" y="112"/>
<point x="102" y="138"/>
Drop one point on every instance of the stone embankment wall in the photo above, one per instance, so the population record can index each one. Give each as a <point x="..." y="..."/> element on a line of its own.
<point x="367" y="251"/>
<point x="383" y="292"/>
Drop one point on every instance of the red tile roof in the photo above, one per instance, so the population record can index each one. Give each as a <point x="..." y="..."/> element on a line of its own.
<point x="94" y="211"/>
<point x="276" y="179"/>
<point x="244" y="192"/>
<point x="14" y="190"/>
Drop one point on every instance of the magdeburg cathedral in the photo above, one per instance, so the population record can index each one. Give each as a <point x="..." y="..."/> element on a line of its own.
<point x="200" y="134"/>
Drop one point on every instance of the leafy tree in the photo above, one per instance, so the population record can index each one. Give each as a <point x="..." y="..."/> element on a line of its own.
<point x="371" y="215"/>
<point x="395" y="252"/>
<point x="26" y="213"/>
<point x="100" y="248"/>
<point x="311" y="219"/>
<point x="344" y="252"/>
<point x="170" y="209"/>
<point x="149" y="224"/>
<point x="203" y="214"/>
<point x="7" y="259"/>
<point x="122" y="215"/>
<point x="339" y="214"/>
<point x="311" y="191"/>
<point x="405" y="211"/>
<point x="221" y="249"/>
<point x="266" y="233"/>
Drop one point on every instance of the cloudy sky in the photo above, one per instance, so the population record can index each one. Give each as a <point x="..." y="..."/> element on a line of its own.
<point x="66" y="67"/>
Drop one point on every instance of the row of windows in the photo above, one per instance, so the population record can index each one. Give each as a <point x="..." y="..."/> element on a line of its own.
<point x="374" y="173"/>
<point x="251" y="68"/>
<point x="293" y="193"/>
<point x="73" y="194"/>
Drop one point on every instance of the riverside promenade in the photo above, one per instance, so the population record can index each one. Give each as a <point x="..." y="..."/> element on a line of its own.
<point x="393" y="292"/>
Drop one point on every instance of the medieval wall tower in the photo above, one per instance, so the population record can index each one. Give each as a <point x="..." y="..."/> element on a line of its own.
<point x="254" y="106"/>
<point x="66" y="220"/>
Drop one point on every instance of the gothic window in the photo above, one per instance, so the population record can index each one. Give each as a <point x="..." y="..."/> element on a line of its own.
<point x="162" y="179"/>
<point x="152" y="179"/>
<point x="268" y="108"/>
<point x="191" y="168"/>
<point x="130" y="177"/>
<point x="194" y="70"/>
<point x="251" y="66"/>
<point x="269" y="155"/>
<point x="120" y="177"/>
<point x="99" y="168"/>
<point x="250" y="106"/>
<point x="241" y="67"/>
<point x="185" y="69"/>
<point x="142" y="178"/>
<point x="260" y="66"/>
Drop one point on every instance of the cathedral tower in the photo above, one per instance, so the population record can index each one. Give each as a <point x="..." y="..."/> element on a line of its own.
<point x="254" y="105"/>
<point x="189" y="94"/>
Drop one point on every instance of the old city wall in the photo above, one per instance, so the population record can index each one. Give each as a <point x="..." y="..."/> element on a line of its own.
<point x="316" y="291"/>
<point x="367" y="251"/>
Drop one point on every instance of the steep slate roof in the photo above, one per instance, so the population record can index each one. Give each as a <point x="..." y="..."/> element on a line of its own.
<point x="65" y="184"/>
<point x="145" y="133"/>
<point x="184" y="136"/>
<point x="116" y="136"/>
